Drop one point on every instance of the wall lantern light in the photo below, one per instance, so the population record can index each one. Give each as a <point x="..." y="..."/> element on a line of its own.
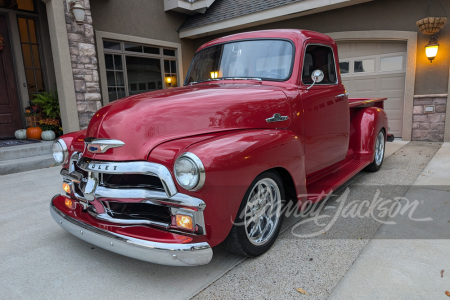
<point x="77" y="9"/>
<point x="430" y="26"/>
<point x="431" y="49"/>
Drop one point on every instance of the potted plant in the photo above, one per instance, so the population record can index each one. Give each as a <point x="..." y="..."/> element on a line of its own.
<point x="48" y="103"/>
<point x="51" y="128"/>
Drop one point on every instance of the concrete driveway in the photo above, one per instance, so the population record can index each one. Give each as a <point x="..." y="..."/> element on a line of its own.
<point x="39" y="260"/>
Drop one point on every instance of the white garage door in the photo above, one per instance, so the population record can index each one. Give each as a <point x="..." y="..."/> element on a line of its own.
<point x="376" y="69"/>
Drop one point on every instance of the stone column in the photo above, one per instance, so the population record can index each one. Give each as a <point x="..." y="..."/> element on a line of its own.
<point x="429" y="125"/>
<point x="63" y="68"/>
<point x="83" y="58"/>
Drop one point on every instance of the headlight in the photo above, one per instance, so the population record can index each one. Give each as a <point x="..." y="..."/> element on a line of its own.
<point x="60" y="151"/>
<point x="189" y="171"/>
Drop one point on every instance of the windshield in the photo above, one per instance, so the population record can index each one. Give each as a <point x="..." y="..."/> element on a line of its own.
<point x="262" y="59"/>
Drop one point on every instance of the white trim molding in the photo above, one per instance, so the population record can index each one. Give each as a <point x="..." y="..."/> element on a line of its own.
<point x="447" y="112"/>
<point x="411" y="52"/>
<point x="285" y="12"/>
<point x="100" y="35"/>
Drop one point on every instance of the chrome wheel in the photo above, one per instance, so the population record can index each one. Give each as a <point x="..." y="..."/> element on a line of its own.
<point x="262" y="211"/>
<point x="379" y="148"/>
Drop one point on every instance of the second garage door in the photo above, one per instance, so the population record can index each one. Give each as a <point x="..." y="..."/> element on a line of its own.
<point x="376" y="69"/>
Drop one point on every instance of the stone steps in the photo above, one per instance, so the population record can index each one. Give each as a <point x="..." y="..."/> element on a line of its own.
<point x="15" y="159"/>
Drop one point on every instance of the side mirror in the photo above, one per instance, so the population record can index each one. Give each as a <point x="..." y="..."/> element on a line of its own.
<point x="317" y="76"/>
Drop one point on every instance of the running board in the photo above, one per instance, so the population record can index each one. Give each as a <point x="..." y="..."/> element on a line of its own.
<point x="319" y="188"/>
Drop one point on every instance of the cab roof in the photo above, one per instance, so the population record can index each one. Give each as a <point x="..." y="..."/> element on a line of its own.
<point x="298" y="36"/>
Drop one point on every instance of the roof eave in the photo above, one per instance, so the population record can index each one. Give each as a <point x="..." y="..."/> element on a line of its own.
<point x="285" y="12"/>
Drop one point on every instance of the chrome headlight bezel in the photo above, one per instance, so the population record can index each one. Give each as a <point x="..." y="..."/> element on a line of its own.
<point x="62" y="148"/>
<point x="199" y="171"/>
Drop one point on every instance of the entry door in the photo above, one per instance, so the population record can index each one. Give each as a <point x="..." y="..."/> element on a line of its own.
<point x="10" y="114"/>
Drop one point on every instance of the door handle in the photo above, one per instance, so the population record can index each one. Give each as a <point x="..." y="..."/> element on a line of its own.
<point x="342" y="95"/>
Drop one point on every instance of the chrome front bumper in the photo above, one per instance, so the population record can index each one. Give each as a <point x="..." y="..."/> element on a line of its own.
<point x="158" y="253"/>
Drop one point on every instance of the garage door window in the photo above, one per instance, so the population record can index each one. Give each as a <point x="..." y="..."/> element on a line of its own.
<point x="364" y="66"/>
<point x="385" y="63"/>
<point x="318" y="57"/>
<point x="393" y="63"/>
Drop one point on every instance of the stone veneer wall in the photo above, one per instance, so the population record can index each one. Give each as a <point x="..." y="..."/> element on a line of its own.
<point x="83" y="57"/>
<point x="429" y="126"/>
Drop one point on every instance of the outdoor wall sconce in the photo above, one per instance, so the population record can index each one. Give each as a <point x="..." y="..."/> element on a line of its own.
<point x="77" y="9"/>
<point x="431" y="26"/>
<point x="214" y="74"/>
<point x="431" y="49"/>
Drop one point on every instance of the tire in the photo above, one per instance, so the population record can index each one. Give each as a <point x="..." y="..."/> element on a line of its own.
<point x="380" y="144"/>
<point x="259" y="219"/>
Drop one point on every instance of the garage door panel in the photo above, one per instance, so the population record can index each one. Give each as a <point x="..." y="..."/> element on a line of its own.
<point x="394" y="83"/>
<point x="366" y="48"/>
<point x="387" y="80"/>
<point x="365" y="84"/>
<point x="395" y="127"/>
<point x="395" y="114"/>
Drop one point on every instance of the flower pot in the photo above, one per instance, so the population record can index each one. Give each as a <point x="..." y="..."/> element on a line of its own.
<point x="48" y="135"/>
<point x="33" y="121"/>
<point x="21" y="134"/>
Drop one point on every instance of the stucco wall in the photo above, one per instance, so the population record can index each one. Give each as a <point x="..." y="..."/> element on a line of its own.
<point x="400" y="15"/>
<point x="142" y="18"/>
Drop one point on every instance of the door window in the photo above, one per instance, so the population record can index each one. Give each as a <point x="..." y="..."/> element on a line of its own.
<point x="319" y="57"/>
<point x="31" y="55"/>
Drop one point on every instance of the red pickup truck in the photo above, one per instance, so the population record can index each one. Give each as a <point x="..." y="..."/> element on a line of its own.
<point x="262" y="119"/>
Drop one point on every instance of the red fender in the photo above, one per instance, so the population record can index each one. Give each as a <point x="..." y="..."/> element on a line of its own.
<point x="364" y="126"/>
<point x="232" y="161"/>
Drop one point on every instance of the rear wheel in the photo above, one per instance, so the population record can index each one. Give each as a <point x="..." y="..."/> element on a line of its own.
<point x="259" y="217"/>
<point x="379" y="153"/>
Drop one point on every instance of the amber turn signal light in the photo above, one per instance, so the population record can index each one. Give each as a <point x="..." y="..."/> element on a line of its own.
<point x="66" y="188"/>
<point x="185" y="222"/>
<point x="70" y="204"/>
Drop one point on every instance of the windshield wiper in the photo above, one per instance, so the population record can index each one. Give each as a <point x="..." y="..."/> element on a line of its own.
<point x="226" y="78"/>
<point x="206" y="80"/>
<point x="240" y="78"/>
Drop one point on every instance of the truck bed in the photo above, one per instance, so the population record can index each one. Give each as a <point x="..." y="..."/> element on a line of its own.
<point x="366" y="102"/>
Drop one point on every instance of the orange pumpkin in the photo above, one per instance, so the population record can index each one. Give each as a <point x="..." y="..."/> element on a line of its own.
<point x="34" y="133"/>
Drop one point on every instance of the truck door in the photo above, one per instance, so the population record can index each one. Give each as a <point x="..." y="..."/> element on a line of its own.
<point x="326" y="111"/>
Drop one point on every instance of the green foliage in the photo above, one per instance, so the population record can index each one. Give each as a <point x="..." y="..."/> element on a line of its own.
<point x="49" y="104"/>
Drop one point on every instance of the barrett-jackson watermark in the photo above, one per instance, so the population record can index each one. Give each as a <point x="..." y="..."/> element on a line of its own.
<point x="379" y="209"/>
<point x="324" y="214"/>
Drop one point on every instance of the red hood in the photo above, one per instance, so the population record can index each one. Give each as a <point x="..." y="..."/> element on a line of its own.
<point x="146" y="120"/>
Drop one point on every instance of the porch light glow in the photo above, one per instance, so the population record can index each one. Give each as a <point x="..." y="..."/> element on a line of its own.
<point x="431" y="49"/>
<point x="214" y="74"/>
<point x="184" y="221"/>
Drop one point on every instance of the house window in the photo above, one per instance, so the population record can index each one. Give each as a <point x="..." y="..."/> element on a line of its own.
<point x="133" y="68"/>
<point x="31" y="55"/>
<point x="27" y="5"/>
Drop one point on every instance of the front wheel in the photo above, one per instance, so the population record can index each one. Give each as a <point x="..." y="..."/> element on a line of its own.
<point x="379" y="153"/>
<point x="259" y="217"/>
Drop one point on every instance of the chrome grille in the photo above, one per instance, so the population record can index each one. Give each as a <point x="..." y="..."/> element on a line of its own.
<point x="137" y="211"/>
